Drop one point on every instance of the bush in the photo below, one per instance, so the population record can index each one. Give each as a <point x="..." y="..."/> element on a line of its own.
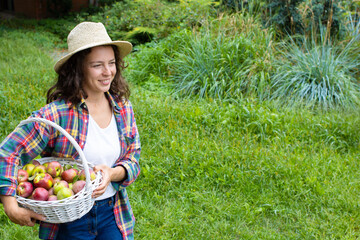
<point x="227" y="58"/>
<point x="317" y="74"/>
<point x="160" y="17"/>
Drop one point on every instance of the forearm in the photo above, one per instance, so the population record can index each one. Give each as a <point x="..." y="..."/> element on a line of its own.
<point x="118" y="174"/>
<point x="9" y="202"/>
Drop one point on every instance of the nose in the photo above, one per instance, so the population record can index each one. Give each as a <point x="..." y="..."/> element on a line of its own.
<point x="106" y="70"/>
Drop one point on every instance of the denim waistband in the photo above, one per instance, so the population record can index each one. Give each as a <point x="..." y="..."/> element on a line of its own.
<point x="105" y="200"/>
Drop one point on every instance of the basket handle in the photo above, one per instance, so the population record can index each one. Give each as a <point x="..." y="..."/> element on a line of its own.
<point x="69" y="137"/>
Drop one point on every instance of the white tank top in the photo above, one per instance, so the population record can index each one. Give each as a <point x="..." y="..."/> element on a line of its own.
<point x="102" y="146"/>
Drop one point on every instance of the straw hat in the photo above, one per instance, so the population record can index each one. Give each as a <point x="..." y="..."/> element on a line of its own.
<point x="87" y="35"/>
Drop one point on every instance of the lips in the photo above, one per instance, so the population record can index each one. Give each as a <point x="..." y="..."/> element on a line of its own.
<point x="105" y="82"/>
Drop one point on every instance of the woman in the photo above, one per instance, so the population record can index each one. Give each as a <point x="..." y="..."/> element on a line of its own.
<point x="90" y="101"/>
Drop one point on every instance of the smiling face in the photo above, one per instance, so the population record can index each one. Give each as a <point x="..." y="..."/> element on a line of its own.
<point x="99" y="70"/>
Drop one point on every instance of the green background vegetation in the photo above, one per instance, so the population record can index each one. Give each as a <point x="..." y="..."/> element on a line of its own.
<point x="249" y="122"/>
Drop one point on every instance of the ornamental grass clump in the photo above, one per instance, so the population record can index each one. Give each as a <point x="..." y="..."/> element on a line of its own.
<point x="316" y="74"/>
<point x="223" y="60"/>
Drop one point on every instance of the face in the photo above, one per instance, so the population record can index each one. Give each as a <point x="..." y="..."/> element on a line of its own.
<point x="99" y="70"/>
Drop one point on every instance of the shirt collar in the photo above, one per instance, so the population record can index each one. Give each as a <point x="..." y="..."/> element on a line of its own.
<point x="114" y="104"/>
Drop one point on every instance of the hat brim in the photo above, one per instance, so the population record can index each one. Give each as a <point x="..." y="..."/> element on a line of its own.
<point x="125" y="48"/>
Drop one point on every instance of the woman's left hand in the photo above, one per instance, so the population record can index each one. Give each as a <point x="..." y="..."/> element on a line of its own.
<point x="115" y="174"/>
<point x="106" y="175"/>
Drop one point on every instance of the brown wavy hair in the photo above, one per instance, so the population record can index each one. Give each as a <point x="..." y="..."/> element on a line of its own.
<point x="71" y="75"/>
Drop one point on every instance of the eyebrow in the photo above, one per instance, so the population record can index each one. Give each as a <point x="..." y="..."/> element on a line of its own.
<point x="101" y="61"/>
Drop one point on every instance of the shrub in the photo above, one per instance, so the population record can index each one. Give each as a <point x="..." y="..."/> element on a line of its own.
<point x="163" y="18"/>
<point x="285" y="16"/>
<point x="226" y="59"/>
<point x="316" y="74"/>
<point x="324" y="14"/>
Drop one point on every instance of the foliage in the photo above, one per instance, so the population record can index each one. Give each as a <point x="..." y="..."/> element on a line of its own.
<point x="161" y="17"/>
<point x="227" y="58"/>
<point x="324" y="14"/>
<point x="252" y="7"/>
<point x="317" y="74"/>
<point x="284" y="14"/>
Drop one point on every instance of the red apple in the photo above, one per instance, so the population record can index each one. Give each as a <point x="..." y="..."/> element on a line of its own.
<point x="22" y="176"/>
<point x="51" y="191"/>
<point x="24" y="189"/>
<point x="64" y="193"/>
<point x="43" y="180"/>
<point x="52" y="198"/>
<point x="82" y="175"/>
<point x="54" y="168"/>
<point x="39" y="169"/>
<point x="78" y="186"/>
<point x="40" y="194"/>
<point x="60" y="185"/>
<point x="29" y="168"/>
<point x="69" y="175"/>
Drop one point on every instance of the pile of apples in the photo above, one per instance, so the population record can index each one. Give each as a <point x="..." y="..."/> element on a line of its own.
<point x="50" y="181"/>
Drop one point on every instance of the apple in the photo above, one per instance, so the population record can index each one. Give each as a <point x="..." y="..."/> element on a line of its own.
<point x="22" y="176"/>
<point x="39" y="169"/>
<point x="60" y="185"/>
<point x="78" y="186"/>
<point x="57" y="179"/>
<point x="52" y="198"/>
<point x="51" y="191"/>
<point x="64" y="193"/>
<point x="40" y="194"/>
<point x="44" y="180"/>
<point x="54" y="168"/>
<point x="82" y="175"/>
<point x="69" y="175"/>
<point x="24" y="189"/>
<point x="71" y="185"/>
<point x="29" y="168"/>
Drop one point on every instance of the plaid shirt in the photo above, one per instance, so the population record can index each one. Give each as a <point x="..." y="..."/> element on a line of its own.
<point x="28" y="141"/>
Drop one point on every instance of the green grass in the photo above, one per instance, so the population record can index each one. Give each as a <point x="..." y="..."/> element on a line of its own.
<point x="214" y="170"/>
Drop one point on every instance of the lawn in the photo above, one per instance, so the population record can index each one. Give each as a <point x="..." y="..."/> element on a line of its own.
<point x="212" y="169"/>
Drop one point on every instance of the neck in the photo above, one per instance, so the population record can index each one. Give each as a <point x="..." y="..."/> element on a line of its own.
<point x="96" y="99"/>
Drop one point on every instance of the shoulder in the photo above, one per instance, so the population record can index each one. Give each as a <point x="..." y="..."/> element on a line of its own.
<point x="120" y="104"/>
<point x="53" y="110"/>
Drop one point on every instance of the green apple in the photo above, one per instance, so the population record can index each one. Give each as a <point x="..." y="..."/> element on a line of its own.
<point x="60" y="185"/>
<point x="64" y="193"/>
<point x="29" y="168"/>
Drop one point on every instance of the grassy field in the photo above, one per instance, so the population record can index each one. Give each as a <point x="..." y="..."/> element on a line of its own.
<point x="213" y="170"/>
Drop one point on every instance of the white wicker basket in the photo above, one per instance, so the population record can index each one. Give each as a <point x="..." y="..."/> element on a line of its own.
<point x="74" y="207"/>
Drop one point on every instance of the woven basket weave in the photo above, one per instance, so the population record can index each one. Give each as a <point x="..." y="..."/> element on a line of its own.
<point x="74" y="207"/>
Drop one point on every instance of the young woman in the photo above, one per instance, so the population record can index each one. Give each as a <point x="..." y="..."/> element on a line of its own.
<point x="90" y="101"/>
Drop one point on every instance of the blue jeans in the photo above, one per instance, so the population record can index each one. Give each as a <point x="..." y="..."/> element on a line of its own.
<point x="98" y="224"/>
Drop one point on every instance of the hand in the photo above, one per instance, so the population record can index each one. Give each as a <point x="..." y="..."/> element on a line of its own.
<point x="106" y="179"/>
<point x="19" y="215"/>
<point x="109" y="175"/>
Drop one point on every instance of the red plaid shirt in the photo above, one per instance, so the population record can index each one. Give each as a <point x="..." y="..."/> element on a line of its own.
<point x="33" y="139"/>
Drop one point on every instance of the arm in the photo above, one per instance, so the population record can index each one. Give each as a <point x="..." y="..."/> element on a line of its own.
<point x="19" y="215"/>
<point x="116" y="174"/>
<point x="126" y="169"/>
<point x="22" y="145"/>
<point x="130" y="160"/>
